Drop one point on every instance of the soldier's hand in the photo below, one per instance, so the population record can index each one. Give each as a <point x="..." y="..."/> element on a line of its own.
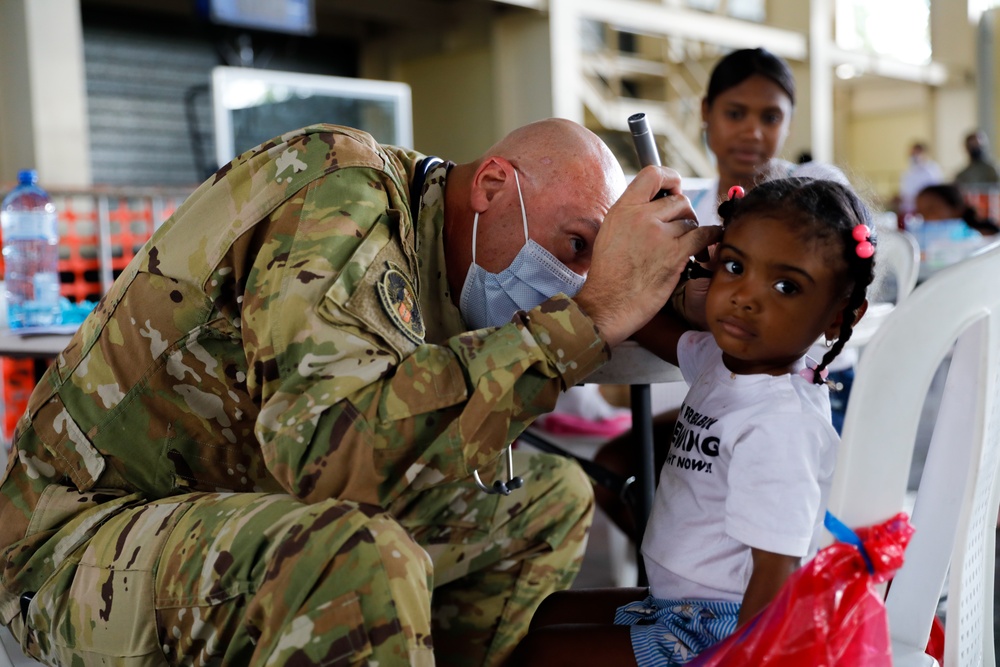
<point x="639" y="253"/>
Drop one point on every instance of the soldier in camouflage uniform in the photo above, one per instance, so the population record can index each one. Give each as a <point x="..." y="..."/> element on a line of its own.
<point x="257" y="449"/>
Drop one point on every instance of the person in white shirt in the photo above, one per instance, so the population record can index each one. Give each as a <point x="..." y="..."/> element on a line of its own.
<point x="743" y="491"/>
<point x="923" y="171"/>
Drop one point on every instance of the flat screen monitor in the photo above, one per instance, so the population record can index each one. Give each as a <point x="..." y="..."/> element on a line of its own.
<point x="252" y="105"/>
<point x="297" y="17"/>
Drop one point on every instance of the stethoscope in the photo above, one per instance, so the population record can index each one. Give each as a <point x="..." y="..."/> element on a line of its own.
<point x="500" y="487"/>
<point x="416" y="189"/>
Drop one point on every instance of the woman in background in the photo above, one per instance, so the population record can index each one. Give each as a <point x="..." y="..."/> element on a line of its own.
<point x="746" y="114"/>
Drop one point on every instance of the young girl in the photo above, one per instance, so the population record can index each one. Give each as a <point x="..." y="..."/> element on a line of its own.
<point x="744" y="487"/>
<point x="746" y="115"/>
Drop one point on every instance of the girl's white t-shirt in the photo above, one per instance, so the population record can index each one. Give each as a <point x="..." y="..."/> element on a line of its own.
<point x="750" y="465"/>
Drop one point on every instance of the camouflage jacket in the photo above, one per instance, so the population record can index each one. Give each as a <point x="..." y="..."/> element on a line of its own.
<point x="289" y="329"/>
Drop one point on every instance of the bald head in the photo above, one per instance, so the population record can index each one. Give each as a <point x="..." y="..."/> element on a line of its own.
<point x="549" y="150"/>
<point x="568" y="179"/>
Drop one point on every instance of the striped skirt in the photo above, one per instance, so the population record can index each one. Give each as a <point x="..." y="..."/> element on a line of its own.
<point x="674" y="632"/>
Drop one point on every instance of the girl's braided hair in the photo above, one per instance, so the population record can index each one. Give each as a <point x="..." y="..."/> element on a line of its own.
<point x="828" y="212"/>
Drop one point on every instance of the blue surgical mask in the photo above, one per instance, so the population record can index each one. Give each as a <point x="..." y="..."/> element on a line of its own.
<point x="535" y="275"/>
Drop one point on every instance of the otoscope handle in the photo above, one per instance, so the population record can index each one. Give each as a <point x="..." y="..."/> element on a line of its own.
<point x="642" y="136"/>
<point x="645" y="144"/>
<point x="645" y="147"/>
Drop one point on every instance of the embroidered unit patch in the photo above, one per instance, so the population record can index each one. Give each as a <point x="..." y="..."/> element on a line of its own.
<point x="399" y="300"/>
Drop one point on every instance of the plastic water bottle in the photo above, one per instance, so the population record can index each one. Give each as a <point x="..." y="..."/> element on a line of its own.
<point x="31" y="254"/>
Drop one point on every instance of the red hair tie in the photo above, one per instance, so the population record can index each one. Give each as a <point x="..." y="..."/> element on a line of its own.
<point x="736" y="192"/>
<point x="861" y="234"/>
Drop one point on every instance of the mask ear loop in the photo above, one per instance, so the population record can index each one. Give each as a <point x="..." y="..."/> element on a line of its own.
<point x="524" y="218"/>
<point x="475" y="230"/>
<point x="520" y="198"/>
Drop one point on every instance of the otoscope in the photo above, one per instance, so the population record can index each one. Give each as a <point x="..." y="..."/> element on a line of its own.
<point x="645" y="148"/>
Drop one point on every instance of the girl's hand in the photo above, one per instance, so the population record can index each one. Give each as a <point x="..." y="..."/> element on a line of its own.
<point x="689" y="299"/>
<point x="690" y="303"/>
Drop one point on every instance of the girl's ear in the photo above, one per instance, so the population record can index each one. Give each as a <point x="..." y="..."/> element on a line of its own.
<point x="833" y="330"/>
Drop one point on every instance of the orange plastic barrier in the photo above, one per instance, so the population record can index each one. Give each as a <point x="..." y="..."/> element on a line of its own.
<point x="113" y="223"/>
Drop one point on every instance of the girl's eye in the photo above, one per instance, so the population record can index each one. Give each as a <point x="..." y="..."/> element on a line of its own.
<point x="578" y="244"/>
<point x="772" y="119"/>
<point x="732" y="266"/>
<point x="734" y="114"/>
<point x="786" y="287"/>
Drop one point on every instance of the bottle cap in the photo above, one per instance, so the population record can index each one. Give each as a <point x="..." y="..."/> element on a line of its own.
<point x="27" y="177"/>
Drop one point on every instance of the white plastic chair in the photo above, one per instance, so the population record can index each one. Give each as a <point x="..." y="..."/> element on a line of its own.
<point x="900" y="253"/>
<point x="957" y="501"/>
<point x="10" y="653"/>
<point x="899" y="257"/>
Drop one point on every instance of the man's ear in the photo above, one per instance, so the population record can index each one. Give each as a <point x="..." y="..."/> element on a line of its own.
<point x="489" y="179"/>
<point x="833" y="331"/>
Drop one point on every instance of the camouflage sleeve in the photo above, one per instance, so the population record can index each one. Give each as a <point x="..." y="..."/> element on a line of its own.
<point x="350" y="412"/>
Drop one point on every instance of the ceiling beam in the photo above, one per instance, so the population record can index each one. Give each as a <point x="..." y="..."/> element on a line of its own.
<point x="933" y="74"/>
<point x="650" y="18"/>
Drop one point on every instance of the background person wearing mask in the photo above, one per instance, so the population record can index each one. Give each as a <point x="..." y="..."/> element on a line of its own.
<point x="980" y="170"/>
<point x="921" y="172"/>
<point x="257" y="449"/>
<point x="943" y="202"/>
<point x="949" y="230"/>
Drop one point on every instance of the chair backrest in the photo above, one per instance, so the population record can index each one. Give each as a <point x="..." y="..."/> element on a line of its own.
<point x="956" y="311"/>
<point x="899" y="252"/>
<point x="10" y="653"/>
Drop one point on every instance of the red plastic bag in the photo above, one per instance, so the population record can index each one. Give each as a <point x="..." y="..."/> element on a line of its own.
<point x="935" y="644"/>
<point x="829" y="612"/>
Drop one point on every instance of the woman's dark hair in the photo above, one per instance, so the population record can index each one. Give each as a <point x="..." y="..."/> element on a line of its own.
<point x="740" y="65"/>
<point x="953" y="198"/>
<point x="825" y="211"/>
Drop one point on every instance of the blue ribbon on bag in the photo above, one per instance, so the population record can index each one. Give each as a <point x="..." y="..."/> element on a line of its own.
<point x="842" y="533"/>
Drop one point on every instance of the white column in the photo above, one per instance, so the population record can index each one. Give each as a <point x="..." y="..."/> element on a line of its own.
<point x="43" y="107"/>
<point x="567" y="70"/>
<point x="953" y="43"/>
<point x="821" y="79"/>
<point x="988" y="77"/>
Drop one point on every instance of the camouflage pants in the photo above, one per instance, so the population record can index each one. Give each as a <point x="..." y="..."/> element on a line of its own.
<point x="259" y="579"/>
<point x="497" y="557"/>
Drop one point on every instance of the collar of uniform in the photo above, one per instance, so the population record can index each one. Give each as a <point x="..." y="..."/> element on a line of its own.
<point x="442" y="318"/>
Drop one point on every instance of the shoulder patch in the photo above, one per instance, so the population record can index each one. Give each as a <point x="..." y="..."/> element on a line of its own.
<point x="399" y="300"/>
